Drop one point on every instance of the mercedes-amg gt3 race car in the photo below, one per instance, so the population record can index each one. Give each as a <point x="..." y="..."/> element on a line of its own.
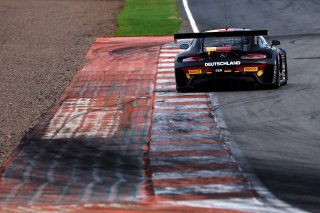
<point x="232" y="56"/>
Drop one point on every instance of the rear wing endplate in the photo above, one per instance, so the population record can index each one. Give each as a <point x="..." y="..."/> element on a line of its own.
<point x="220" y="34"/>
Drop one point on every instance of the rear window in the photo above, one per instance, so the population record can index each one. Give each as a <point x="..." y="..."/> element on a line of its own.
<point x="242" y="43"/>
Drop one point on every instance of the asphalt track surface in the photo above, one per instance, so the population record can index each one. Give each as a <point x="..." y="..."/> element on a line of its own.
<point x="278" y="131"/>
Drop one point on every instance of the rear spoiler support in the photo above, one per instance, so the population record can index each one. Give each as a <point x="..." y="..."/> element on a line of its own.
<point x="220" y="34"/>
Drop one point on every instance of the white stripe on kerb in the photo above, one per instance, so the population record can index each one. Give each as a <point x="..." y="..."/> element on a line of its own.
<point x="160" y="115"/>
<point x="207" y="189"/>
<point x="167" y="60"/>
<point x="169" y="100"/>
<point x="170" y="46"/>
<point x="166" y="70"/>
<point x="167" y="55"/>
<point x="183" y="107"/>
<point x="166" y="80"/>
<point x="159" y="94"/>
<point x="165" y="65"/>
<point x="171" y="50"/>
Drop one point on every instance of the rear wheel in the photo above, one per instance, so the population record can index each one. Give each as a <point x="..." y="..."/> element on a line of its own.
<point x="181" y="81"/>
<point x="277" y="68"/>
<point x="286" y="72"/>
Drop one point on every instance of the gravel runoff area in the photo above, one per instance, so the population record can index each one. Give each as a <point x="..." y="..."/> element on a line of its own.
<point x="42" y="44"/>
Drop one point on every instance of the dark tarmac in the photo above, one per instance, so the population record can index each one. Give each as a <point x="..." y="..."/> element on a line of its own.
<point x="278" y="131"/>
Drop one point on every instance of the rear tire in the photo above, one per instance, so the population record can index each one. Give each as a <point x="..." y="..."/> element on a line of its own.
<point x="286" y="77"/>
<point x="277" y="68"/>
<point x="181" y="81"/>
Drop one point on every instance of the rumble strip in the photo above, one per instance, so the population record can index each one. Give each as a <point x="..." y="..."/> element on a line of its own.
<point x="190" y="161"/>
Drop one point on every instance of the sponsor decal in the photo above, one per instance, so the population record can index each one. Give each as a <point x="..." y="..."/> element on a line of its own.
<point x="250" y="69"/>
<point x="222" y="55"/>
<point x="223" y="63"/>
<point x="193" y="72"/>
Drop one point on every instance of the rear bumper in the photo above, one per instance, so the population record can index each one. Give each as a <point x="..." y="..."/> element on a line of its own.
<point x="207" y="76"/>
<point x="224" y="79"/>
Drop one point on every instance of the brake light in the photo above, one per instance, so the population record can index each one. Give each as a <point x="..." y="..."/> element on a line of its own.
<point x="254" y="56"/>
<point x="193" y="59"/>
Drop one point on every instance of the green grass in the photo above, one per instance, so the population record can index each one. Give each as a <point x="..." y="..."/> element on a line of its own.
<point x="148" y="17"/>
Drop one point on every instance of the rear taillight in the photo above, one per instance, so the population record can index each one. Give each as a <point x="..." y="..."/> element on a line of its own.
<point x="193" y="59"/>
<point x="254" y="56"/>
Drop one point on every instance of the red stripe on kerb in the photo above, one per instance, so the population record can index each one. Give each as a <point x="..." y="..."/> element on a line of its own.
<point x="165" y="67"/>
<point x="186" y="182"/>
<point x="165" y="72"/>
<point x="209" y="196"/>
<point x="194" y="167"/>
<point x="166" y="78"/>
<point x="168" y="55"/>
<point x="213" y="152"/>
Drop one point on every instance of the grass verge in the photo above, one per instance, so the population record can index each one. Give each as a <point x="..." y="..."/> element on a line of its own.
<point x="148" y="17"/>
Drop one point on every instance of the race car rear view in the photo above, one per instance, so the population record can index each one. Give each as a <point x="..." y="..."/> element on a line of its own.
<point x="232" y="56"/>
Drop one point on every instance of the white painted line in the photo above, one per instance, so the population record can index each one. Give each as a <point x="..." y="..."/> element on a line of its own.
<point x="190" y="17"/>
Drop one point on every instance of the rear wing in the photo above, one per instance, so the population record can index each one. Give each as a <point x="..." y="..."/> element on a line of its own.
<point x="220" y="34"/>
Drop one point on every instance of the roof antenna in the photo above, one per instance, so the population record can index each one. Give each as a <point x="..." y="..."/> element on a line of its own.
<point x="225" y="14"/>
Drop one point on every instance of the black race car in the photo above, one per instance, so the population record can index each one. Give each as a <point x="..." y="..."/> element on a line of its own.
<point x="230" y="56"/>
